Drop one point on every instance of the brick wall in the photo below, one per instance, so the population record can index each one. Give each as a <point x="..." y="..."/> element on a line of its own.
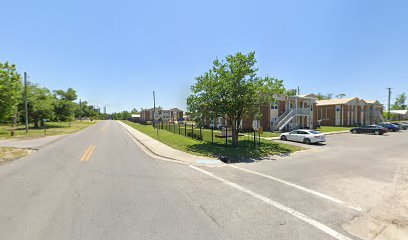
<point x="327" y="115"/>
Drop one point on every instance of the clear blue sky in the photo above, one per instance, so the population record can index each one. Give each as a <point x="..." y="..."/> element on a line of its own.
<point x="115" y="53"/>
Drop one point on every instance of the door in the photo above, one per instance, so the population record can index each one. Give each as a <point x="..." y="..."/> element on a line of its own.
<point x="301" y="136"/>
<point x="292" y="136"/>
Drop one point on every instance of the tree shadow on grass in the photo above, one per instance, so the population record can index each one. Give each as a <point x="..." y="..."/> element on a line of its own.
<point x="49" y="126"/>
<point x="245" y="152"/>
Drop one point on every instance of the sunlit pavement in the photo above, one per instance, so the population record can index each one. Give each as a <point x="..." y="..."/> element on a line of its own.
<point x="98" y="184"/>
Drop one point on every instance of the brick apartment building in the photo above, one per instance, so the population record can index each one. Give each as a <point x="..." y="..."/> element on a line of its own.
<point x="305" y="111"/>
<point x="348" y="112"/>
<point x="171" y="115"/>
<point x="285" y="113"/>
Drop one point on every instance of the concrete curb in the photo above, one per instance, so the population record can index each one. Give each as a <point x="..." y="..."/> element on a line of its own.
<point x="152" y="153"/>
<point x="149" y="149"/>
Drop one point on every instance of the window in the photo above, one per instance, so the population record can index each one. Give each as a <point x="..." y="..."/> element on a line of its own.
<point x="274" y="105"/>
<point x="274" y="120"/>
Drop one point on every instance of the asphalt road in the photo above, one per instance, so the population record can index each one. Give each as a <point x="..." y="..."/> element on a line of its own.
<point x="99" y="184"/>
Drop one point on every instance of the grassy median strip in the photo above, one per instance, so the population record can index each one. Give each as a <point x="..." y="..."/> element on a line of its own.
<point x="53" y="128"/>
<point x="245" y="150"/>
<point x="325" y="129"/>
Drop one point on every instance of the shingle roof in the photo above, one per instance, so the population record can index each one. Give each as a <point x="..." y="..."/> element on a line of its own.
<point x="373" y="102"/>
<point x="337" y="101"/>
<point x="403" y="112"/>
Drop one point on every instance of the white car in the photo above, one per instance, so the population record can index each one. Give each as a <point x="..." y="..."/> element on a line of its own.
<point x="303" y="135"/>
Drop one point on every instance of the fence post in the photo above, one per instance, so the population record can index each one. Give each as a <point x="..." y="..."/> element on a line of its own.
<point x="254" y="138"/>
<point x="259" y="140"/>
<point x="226" y="136"/>
<point x="192" y="130"/>
<point x="185" y="129"/>
<point x="212" y="135"/>
<point x="179" y="128"/>
<point x="174" y="127"/>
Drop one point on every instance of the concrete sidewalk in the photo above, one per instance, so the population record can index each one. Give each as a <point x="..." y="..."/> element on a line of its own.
<point x="34" y="144"/>
<point x="162" y="150"/>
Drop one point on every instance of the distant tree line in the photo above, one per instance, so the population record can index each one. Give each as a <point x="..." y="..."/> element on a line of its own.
<point x="42" y="103"/>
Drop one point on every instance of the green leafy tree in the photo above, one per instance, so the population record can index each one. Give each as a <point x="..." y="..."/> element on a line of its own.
<point x="87" y="111"/>
<point x="121" y="115"/>
<point x="232" y="90"/>
<point x="40" y="104"/>
<point x="10" y="92"/>
<point x="341" y="95"/>
<point x="64" y="105"/>
<point x="400" y="102"/>
<point x="291" y="92"/>
<point x="321" y="96"/>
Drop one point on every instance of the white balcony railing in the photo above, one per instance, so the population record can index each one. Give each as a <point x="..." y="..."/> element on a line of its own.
<point x="303" y="111"/>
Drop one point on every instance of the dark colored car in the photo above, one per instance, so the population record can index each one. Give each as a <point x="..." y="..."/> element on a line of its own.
<point x="390" y="127"/>
<point x="375" y="129"/>
<point x="403" y="126"/>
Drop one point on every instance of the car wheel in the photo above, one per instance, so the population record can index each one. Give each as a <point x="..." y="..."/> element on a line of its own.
<point x="307" y="141"/>
<point x="354" y="131"/>
<point x="283" y="138"/>
<point x="377" y="132"/>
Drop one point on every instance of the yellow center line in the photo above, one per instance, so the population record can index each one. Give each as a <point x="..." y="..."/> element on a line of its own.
<point x="86" y="153"/>
<point x="90" y="153"/>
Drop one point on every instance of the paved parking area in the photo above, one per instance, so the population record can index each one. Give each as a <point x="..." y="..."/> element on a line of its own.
<point x="350" y="177"/>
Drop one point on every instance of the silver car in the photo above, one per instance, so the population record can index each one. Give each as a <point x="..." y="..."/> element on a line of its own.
<point x="303" y="135"/>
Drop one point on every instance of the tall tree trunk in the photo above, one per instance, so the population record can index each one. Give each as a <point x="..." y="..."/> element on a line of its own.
<point x="234" y="133"/>
<point x="13" y="125"/>
<point x="234" y="137"/>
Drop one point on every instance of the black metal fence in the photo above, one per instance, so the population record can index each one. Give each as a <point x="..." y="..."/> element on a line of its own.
<point x="212" y="135"/>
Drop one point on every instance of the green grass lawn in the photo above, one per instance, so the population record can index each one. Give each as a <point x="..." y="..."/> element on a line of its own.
<point x="245" y="149"/>
<point x="325" y="129"/>
<point x="53" y="128"/>
<point x="266" y="134"/>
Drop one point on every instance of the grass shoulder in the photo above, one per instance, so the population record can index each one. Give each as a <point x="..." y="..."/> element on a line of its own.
<point x="53" y="128"/>
<point x="8" y="154"/>
<point x="245" y="150"/>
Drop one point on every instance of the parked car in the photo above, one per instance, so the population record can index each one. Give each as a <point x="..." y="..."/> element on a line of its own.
<point x="402" y="125"/>
<point x="303" y="135"/>
<point x="375" y="129"/>
<point x="390" y="127"/>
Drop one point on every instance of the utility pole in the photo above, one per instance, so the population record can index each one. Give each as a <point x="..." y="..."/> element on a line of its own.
<point x="104" y="112"/>
<point x="25" y="102"/>
<point x="298" y="90"/>
<point x="389" y="104"/>
<point x="80" y="110"/>
<point x="154" y="115"/>
<point x="154" y="109"/>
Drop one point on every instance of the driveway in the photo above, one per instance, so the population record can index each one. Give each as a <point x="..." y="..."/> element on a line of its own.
<point x="366" y="172"/>
<point x="35" y="143"/>
<point x="98" y="184"/>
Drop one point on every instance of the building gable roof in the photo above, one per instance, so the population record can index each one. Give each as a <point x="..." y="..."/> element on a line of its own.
<point x="337" y="101"/>
<point x="402" y="112"/>
<point x="373" y="102"/>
